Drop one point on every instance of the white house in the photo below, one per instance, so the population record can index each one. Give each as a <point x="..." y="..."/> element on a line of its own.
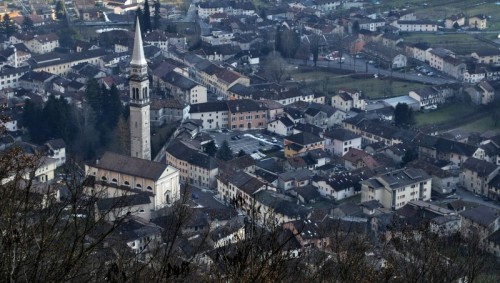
<point x="339" y="141"/>
<point x="282" y="126"/>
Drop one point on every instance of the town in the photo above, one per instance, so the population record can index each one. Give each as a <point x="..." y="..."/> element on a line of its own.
<point x="250" y="141"/>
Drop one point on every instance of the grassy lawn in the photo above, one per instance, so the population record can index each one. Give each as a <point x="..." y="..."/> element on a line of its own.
<point x="460" y="43"/>
<point x="371" y="87"/>
<point x="481" y="125"/>
<point x="440" y="9"/>
<point x="444" y="113"/>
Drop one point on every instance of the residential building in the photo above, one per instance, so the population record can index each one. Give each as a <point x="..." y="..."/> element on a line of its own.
<point x="239" y="187"/>
<point x="40" y="44"/>
<point x="481" y="94"/>
<point x="116" y="175"/>
<point x="195" y="168"/>
<point x="455" y="21"/>
<point x="487" y="56"/>
<point x="213" y="114"/>
<point x="282" y="126"/>
<point x="56" y="149"/>
<point x="277" y="208"/>
<point x="158" y="39"/>
<point x="478" y="22"/>
<point x="346" y="99"/>
<point x="427" y="96"/>
<point x="416" y="26"/>
<point x="246" y="114"/>
<point x="481" y="221"/>
<point x="294" y="179"/>
<point x="443" y="181"/>
<point x="337" y="186"/>
<point x="301" y="143"/>
<point x="397" y="188"/>
<point x="339" y="141"/>
<point x="9" y="77"/>
<point x="168" y="110"/>
<point x="476" y="174"/>
<point x="185" y="89"/>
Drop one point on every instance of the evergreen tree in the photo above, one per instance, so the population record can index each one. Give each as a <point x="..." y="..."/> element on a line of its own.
<point x="410" y="155"/>
<point x="60" y="10"/>
<point x="315" y="48"/>
<point x="115" y="106"/>
<point x="92" y="94"/>
<point x="241" y="153"/>
<point x="139" y="15"/>
<point x="32" y="119"/>
<point x="27" y="24"/>
<point x="355" y="27"/>
<point x="403" y="116"/>
<point x="225" y="153"/>
<point x="210" y="148"/>
<point x="156" y="15"/>
<point x="146" y="18"/>
<point x="8" y="26"/>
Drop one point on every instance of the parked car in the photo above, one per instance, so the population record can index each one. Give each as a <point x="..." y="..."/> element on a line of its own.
<point x="274" y="140"/>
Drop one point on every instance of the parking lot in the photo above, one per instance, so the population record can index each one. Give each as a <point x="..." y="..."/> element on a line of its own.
<point x="249" y="141"/>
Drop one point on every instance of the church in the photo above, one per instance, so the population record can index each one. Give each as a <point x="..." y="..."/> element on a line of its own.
<point x="117" y="175"/>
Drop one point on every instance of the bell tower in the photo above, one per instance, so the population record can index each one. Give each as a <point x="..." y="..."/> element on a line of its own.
<point x="140" y="136"/>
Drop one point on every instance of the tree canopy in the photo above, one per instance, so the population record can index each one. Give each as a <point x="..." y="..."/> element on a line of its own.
<point x="60" y="10"/>
<point x="403" y="116"/>
<point x="225" y="153"/>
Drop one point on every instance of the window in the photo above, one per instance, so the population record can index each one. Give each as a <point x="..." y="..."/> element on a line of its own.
<point x="126" y="183"/>
<point x="138" y="186"/>
<point x="149" y="188"/>
<point x="104" y="178"/>
<point x="114" y="181"/>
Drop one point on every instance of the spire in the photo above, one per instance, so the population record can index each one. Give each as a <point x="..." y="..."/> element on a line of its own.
<point x="138" y="53"/>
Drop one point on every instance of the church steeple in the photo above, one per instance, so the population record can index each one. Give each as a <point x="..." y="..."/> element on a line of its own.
<point x="140" y="139"/>
<point x="138" y="53"/>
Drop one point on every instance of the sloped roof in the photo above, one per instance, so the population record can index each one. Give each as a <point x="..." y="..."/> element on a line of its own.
<point x="131" y="165"/>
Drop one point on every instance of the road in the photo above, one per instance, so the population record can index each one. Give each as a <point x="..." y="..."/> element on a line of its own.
<point x="471" y="197"/>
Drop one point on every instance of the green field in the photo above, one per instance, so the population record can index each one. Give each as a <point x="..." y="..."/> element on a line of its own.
<point x="444" y="113"/>
<point x="481" y="125"/>
<point x="461" y="43"/>
<point x="371" y="87"/>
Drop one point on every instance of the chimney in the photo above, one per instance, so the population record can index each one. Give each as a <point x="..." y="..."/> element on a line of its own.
<point x="96" y="161"/>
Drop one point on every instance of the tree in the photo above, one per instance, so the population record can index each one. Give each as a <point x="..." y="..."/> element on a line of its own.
<point x="315" y="48"/>
<point x="139" y="15"/>
<point x="289" y="42"/>
<point x="456" y="25"/>
<point x="355" y="28"/>
<point x="403" y="116"/>
<point x="146" y="18"/>
<point x="410" y="155"/>
<point x="225" y="153"/>
<point x="275" y="67"/>
<point x="67" y="37"/>
<point x="60" y="10"/>
<point x="241" y="153"/>
<point x="210" y="148"/>
<point x="8" y="26"/>
<point x="156" y="15"/>
<point x="27" y="24"/>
